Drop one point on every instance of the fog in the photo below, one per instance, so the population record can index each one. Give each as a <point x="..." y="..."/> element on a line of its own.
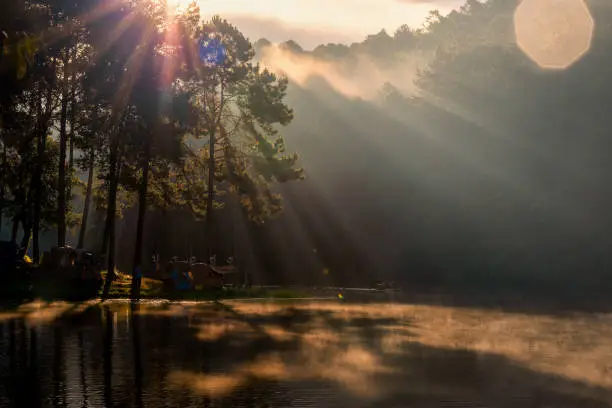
<point x="363" y="77"/>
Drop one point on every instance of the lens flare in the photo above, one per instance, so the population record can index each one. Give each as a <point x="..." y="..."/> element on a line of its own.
<point x="554" y="33"/>
<point x="212" y="51"/>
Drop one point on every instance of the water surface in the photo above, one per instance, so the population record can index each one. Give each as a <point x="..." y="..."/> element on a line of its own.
<point x="300" y="354"/>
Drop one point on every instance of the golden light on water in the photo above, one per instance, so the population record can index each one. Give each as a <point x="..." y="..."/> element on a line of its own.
<point x="365" y="351"/>
<point x="553" y="33"/>
<point x="342" y="353"/>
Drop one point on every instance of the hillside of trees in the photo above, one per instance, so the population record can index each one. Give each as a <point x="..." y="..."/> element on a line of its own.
<point x="440" y="156"/>
<point x="491" y="172"/>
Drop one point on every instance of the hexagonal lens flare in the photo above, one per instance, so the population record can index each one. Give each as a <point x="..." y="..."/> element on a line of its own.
<point x="553" y="33"/>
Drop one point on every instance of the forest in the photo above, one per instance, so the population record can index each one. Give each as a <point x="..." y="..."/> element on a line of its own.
<point x="438" y="155"/>
<point x="122" y="92"/>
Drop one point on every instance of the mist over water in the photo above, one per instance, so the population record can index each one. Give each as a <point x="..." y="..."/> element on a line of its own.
<point x="311" y="354"/>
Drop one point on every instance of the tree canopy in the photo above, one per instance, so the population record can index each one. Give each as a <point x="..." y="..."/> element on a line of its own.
<point x="127" y="92"/>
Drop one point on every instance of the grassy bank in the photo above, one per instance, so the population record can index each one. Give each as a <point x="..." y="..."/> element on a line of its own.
<point x="47" y="288"/>
<point x="153" y="289"/>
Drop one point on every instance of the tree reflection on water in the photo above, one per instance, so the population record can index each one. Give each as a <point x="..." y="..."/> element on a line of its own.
<point x="312" y="354"/>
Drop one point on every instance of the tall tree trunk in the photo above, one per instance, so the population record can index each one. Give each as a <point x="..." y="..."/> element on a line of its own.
<point x="107" y="220"/>
<point x="88" y="193"/>
<point x="142" y="211"/>
<point x="72" y="119"/>
<point x="211" y="195"/>
<point x="61" y="182"/>
<point x="19" y="199"/>
<point x="70" y="172"/>
<point x="72" y="129"/>
<point x="15" y="229"/>
<point x="25" y="240"/>
<point x="105" y="234"/>
<point x="36" y="185"/>
<point x="210" y="221"/>
<point x="108" y="223"/>
<point x="26" y="217"/>
<point x="2" y="184"/>
<point x="38" y="199"/>
<point x="111" y="211"/>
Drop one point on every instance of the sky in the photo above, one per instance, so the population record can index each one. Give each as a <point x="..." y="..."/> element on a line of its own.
<point x="312" y="22"/>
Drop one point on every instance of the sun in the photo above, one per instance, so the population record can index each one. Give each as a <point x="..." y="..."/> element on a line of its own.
<point x="178" y="5"/>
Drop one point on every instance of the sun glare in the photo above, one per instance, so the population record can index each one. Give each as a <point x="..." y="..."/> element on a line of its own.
<point x="178" y="5"/>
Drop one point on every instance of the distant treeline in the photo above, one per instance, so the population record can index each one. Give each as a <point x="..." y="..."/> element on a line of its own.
<point x="495" y="173"/>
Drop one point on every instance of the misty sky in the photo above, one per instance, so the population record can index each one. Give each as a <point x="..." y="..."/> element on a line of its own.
<point x="312" y="22"/>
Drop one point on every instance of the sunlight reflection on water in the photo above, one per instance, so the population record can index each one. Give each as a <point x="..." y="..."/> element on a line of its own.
<point x="319" y="354"/>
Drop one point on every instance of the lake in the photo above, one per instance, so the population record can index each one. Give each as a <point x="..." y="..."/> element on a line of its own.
<point x="300" y="354"/>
